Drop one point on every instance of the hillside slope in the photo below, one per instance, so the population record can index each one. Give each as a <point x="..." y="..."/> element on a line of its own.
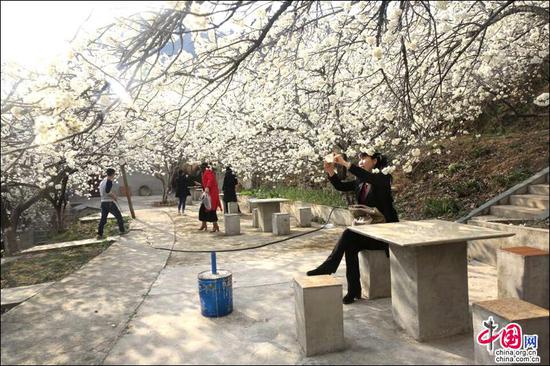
<point x="470" y="171"/>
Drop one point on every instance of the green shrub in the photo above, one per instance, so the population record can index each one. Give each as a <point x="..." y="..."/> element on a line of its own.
<point x="435" y="207"/>
<point x="479" y="151"/>
<point x="511" y="179"/>
<point x="455" y="167"/>
<point x="466" y="188"/>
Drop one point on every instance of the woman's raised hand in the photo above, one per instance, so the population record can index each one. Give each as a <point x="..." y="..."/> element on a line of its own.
<point x="329" y="167"/>
<point x="339" y="159"/>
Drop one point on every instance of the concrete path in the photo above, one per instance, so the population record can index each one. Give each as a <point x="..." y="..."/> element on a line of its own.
<point x="78" y="319"/>
<point x="134" y="304"/>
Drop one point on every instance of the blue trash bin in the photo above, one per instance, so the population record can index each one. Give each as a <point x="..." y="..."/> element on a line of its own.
<point x="216" y="293"/>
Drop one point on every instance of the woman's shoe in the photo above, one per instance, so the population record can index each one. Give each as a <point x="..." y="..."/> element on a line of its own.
<point x="203" y="227"/>
<point x="323" y="269"/>
<point x="215" y="228"/>
<point x="350" y="298"/>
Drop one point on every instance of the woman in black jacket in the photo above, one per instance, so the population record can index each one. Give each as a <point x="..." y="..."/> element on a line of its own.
<point x="229" y="192"/>
<point x="182" y="190"/>
<point x="371" y="189"/>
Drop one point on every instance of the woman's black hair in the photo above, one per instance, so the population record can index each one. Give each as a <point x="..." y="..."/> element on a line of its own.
<point x="180" y="172"/>
<point x="204" y="166"/>
<point x="381" y="160"/>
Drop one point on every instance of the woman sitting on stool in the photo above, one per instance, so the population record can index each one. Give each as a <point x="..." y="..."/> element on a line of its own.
<point x="371" y="189"/>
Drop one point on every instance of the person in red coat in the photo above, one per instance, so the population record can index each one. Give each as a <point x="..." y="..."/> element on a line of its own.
<point x="210" y="186"/>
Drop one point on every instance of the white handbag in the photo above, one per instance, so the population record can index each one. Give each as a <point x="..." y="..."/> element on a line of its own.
<point x="206" y="201"/>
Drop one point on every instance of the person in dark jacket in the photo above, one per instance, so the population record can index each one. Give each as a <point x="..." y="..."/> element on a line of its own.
<point x="229" y="183"/>
<point x="182" y="190"/>
<point x="373" y="190"/>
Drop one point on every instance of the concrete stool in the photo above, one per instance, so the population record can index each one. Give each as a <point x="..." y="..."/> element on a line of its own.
<point x="374" y="267"/>
<point x="523" y="274"/>
<point x="304" y="216"/>
<point x="532" y="318"/>
<point x="281" y="223"/>
<point x="319" y="314"/>
<point x="232" y="224"/>
<point x="255" y="222"/>
<point x="189" y="201"/>
<point x="252" y="206"/>
<point x="232" y="207"/>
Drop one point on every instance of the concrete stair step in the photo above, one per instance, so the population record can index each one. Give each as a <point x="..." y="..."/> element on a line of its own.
<point x="516" y="212"/>
<point x="529" y="200"/>
<point x="540" y="189"/>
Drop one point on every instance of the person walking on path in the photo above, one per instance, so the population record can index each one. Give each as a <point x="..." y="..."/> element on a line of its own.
<point x="373" y="190"/>
<point x="210" y="187"/>
<point x="229" y="193"/>
<point x="182" y="190"/>
<point x="109" y="204"/>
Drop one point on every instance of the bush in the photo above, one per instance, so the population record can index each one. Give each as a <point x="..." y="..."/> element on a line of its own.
<point x="511" y="179"/>
<point x="455" y="167"/>
<point x="467" y="188"/>
<point x="435" y="207"/>
<point x="479" y="151"/>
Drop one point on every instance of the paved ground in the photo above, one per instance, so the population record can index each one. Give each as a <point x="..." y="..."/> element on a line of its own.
<point x="148" y="309"/>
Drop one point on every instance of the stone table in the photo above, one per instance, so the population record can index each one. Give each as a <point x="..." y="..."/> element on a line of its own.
<point x="266" y="208"/>
<point x="429" y="277"/>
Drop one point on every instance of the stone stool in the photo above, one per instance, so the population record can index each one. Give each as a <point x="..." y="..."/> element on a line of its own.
<point x="304" y="216"/>
<point x="232" y="207"/>
<point x="188" y="201"/>
<point x="532" y="318"/>
<point x="232" y="224"/>
<point x="281" y="223"/>
<point x="374" y="267"/>
<point x="319" y="314"/>
<point x="523" y="274"/>
<point x="255" y="222"/>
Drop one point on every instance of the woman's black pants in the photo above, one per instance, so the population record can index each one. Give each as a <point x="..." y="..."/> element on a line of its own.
<point x="350" y="244"/>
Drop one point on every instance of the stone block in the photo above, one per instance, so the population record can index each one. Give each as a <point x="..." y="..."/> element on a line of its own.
<point x="232" y="207"/>
<point x="281" y="223"/>
<point x="531" y="318"/>
<point x="189" y="201"/>
<point x="232" y="224"/>
<point x="429" y="290"/>
<point x="304" y="216"/>
<point x="265" y="215"/>
<point x="255" y="222"/>
<point x="523" y="274"/>
<point x="374" y="267"/>
<point x="319" y="314"/>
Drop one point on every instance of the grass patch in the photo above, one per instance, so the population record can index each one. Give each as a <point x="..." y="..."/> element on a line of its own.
<point x="86" y="230"/>
<point x="317" y="196"/>
<point x="512" y="178"/>
<point x="436" y="207"/>
<point x="468" y="187"/>
<point x="54" y="265"/>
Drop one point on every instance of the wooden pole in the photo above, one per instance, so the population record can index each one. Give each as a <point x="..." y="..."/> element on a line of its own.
<point x="127" y="191"/>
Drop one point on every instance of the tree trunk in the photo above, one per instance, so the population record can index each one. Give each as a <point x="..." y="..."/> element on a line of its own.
<point x="11" y="245"/>
<point x="59" y="218"/>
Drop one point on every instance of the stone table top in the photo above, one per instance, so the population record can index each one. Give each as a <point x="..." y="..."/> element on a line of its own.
<point x="513" y="309"/>
<point x="317" y="281"/>
<point x="268" y="200"/>
<point x="426" y="232"/>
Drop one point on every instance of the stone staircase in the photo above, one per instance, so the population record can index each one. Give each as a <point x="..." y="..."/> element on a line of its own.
<point x="527" y="200"/>
<point x="525" y="206"/>
<point x="517" y="210"/>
